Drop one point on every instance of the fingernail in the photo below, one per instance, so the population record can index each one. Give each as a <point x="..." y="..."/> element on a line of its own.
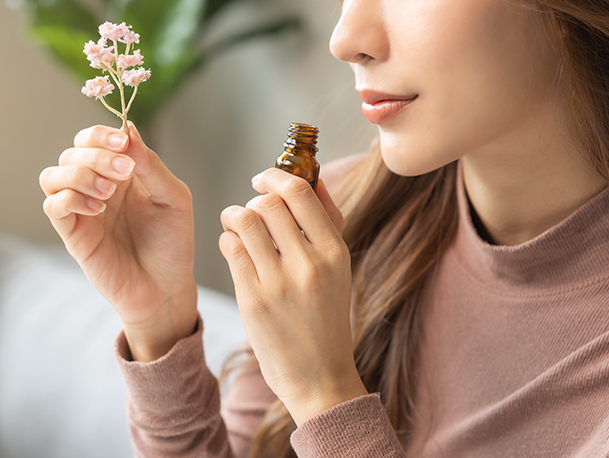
<point x="123" y="165"/>
<point x="106" y="187"/>
<point x="96" y="205"/>
<point x="256" y="178"/>
<point x="117" y="140"/>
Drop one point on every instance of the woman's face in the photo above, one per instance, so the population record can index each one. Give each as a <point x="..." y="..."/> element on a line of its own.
<point x="482" y="71"/>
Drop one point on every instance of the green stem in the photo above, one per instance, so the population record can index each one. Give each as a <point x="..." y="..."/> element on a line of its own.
<point x="116" y="112"/>
<point x="131" y="100"/>
<point x="124" y="127"/>
<point x="108" y="68"/>
<point x="113" y="74"/>
<point x="120" y="87"/>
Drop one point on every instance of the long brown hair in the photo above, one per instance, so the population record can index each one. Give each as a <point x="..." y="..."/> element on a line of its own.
<point x="397" y="227"/>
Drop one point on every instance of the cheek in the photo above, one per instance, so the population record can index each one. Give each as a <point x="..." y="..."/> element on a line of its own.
<point x="479" y="76"/>
<point x="479" y="71"/>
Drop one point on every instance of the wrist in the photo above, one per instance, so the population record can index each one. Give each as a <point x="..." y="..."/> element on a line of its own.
<point x="153" y="339"/>
<point x="150" y="347"/>
<point x="326" y="396"/>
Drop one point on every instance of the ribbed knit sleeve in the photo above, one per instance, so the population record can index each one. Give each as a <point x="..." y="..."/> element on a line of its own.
<point x="173" y="403"/>
<point x="358" y="428"/>
<point x="173" y="406"/>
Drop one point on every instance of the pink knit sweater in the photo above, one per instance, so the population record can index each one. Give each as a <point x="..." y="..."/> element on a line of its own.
<point x="514" y="362"/>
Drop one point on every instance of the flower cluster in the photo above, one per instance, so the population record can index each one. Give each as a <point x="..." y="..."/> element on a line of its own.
<point x="108" y="59"/>
<point x="98" y="87"/>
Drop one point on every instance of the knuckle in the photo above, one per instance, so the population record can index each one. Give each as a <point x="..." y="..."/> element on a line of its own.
<point x="246" y="219"/>
<point x="299" y="188"/>
<point x="47" y="206"/>
<point x="67" y="198"/>
<point x="96" y="158"/>
<point x="264" y="175"/>
<point x="57" y="204"/>
<point x="44" y="176"/>
<point x="88" y="136"/>
<point x="65" y="155"/>
<point x="269" y="203"/>
<point x="311" y="270"/>
<point x="227" y="214"/>
<point x="236" y="249"/>
<point x="81" y="134"/>
<point x="98" y="132"/>
<point x="224" y="214"/>
<point x="231" y="245"/>
<point x="338" y="254"/>
<point x="77" y="174"/>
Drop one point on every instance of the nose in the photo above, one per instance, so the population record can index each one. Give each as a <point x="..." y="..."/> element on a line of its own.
<point x="360" y="35"/>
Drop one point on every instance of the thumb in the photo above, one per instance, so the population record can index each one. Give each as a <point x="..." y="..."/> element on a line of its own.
<point x="160" y="183"/>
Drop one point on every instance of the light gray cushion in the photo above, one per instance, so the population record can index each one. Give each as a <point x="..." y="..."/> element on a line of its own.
<point x="61" y="393"/>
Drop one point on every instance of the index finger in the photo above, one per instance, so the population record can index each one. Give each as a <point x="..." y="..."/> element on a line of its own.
<point x="315" y="218"/>
<point x="102" y="137"/>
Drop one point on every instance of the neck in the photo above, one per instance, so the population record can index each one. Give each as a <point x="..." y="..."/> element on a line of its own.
<point x="517" y="197"/>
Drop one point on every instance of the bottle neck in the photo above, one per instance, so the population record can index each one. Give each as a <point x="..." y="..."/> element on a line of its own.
<point x="302" y="138"/>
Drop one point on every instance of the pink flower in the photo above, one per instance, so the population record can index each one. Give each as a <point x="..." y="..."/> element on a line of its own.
<point x="135" y="77"/>
<point x="108" y="58"/>
<point x="112" y="31"/>
<point x="126" y="61"/>
<point x="97" y="53"/>
<point x="97" y="87"/>
<point x="96" y="50"/>
<point x="103" y="57"/>
<point x="130" y="37"/>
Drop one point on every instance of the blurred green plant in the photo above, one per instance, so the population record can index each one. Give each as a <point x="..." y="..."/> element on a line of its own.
<point x="171" y="34"/>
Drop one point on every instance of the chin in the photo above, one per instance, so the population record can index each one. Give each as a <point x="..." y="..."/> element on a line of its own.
<point x="403" y="158"/>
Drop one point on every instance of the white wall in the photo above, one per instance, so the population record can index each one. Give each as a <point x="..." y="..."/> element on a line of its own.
<point x="235" y="112"/>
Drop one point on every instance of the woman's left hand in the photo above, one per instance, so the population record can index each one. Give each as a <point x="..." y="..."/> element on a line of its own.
<point x="294" y="298"/>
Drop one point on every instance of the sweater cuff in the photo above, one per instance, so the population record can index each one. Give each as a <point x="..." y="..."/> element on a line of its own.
<point x="154" y="387"/>
<point x="357" y="428"/>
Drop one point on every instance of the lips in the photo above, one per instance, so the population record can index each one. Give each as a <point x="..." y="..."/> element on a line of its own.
<point x="379" y="107"/>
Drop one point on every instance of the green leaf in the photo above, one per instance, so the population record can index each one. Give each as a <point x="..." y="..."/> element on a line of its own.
<point x="164" y="82"/>
<point x="67" y="45"/>
<point x="168" y="30"/>
<point x="213" y="7"/>
<point x="179" y="31"/>
<point x="150" y="18"/>
<point x="116" y="9"/>
<point x="67" y="13"/>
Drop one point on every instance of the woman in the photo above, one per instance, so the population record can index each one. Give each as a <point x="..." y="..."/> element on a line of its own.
<point x="463" y="309"/>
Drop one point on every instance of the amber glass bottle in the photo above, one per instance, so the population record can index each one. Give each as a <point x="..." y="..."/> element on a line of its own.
<point x="300" y="148"/>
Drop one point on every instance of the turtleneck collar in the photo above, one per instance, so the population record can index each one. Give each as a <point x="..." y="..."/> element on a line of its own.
<point x="569" y="254"/>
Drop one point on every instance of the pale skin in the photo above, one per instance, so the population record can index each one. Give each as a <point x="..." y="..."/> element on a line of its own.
<point x="484" y="72"/>
<point x="465" y="58"/>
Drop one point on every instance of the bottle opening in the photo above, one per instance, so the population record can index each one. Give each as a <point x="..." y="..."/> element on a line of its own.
<point x="301" y="132"/>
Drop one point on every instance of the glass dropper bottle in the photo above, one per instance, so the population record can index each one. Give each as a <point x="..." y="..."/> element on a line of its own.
<point x="299" y="153"/>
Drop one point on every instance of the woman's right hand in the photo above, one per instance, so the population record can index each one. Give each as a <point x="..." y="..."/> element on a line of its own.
<point x="128" y="222"/>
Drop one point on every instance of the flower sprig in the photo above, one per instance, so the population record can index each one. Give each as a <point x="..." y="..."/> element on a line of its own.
<point x="108" y="59"/>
